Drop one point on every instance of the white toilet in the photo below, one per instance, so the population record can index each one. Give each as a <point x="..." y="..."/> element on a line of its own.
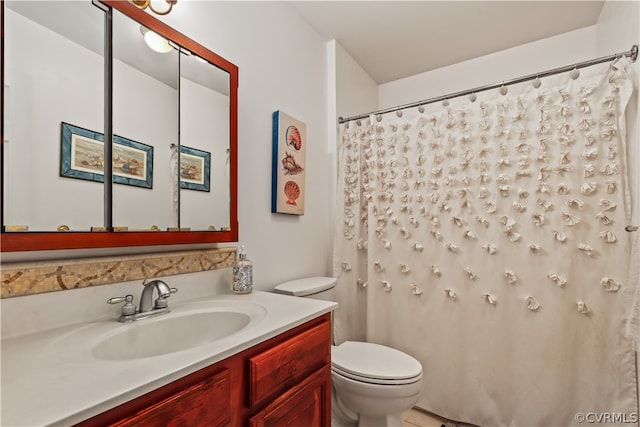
<point x="372" y="384"/>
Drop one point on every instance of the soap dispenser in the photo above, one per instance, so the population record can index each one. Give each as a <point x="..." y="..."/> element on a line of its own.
<point x="242" y="281"/>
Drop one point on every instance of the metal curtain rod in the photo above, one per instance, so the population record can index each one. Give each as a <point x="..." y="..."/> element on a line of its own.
<point x="633" y="54"/>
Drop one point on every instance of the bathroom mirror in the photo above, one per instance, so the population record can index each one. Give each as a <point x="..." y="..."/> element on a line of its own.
<point x="50" y="77"/>
<point x="145" y="125"/>
<point x="172" y="117"/>
<point x="204" y="104"/>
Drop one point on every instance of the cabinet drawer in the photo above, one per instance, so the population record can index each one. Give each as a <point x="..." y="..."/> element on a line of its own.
<point x="205" y="403"/>
<point x="282" y="366"/>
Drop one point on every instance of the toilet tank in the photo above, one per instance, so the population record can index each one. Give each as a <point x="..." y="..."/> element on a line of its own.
<point x="322" y="288"/>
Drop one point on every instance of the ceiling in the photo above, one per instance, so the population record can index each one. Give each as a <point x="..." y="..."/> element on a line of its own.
<point x="396" y="39"/>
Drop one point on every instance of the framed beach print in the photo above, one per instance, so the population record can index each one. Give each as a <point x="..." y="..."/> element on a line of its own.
<point x="132" y="162"/>
<point x="288" y="164"/>
<point x="195" y="169"/>
<point x="82" y="157"/>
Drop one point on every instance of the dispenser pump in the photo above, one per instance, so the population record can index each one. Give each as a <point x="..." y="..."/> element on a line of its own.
<point x="242" y="280"/>
<point x="242" y="255"/>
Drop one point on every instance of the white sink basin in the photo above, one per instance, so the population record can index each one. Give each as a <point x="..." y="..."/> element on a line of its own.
<point x="168" y="334"/>
<point x="189" y="325"/>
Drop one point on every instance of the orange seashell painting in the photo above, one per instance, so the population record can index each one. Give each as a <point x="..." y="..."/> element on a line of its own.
<point x="291" y="167"/>
<point x="293" y="137"/>
<point x="292" y="191"/>
<point x="288" y="164"/>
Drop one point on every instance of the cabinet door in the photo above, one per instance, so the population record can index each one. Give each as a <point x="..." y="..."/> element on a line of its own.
<point x="204" y="403"/>
<point x="307" y="404"/>
<point x="282" y="366"/>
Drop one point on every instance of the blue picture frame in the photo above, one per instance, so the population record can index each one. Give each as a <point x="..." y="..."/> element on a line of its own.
<point x="82" y="157"/>
<point x="195" y="169"/>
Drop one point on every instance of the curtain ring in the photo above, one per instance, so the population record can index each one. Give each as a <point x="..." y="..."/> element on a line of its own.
<point x="445" y="102"/>
<point x="358" y="122"/>
<point x="399" y="113"/>
<point x="473" y="97"/>
<point x="421" y="108"/>
<point x="537" y="82"/>
<point x="503" y="90"/>
<point x="378" y="118"/>
<point x="574" y="74"/>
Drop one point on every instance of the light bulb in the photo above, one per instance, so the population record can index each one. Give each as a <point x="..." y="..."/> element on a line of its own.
<point x="155" y="42"/>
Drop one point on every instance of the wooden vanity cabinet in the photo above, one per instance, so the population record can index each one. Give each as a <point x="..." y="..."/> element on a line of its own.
<point x="285" y="380"/>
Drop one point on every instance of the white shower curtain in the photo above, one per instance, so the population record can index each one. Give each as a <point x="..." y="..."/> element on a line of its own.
<point x="486" y="238"/>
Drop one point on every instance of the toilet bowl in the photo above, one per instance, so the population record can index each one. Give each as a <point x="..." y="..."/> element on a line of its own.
<point x="376" y="382"/>
<point x="372" y="384"/>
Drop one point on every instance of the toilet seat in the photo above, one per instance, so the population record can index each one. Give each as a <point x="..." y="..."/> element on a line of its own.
<point x="374" y="363"/>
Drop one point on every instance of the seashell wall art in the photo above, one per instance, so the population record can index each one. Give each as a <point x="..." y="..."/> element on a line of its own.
<point x="288" y="164"/>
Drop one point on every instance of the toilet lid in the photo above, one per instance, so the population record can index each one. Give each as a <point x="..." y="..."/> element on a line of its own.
<point x="305" y="286"/>
<point x="374" y="363"/>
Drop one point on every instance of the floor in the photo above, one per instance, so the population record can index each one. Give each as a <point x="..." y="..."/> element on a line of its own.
<point x="417" y="418"/>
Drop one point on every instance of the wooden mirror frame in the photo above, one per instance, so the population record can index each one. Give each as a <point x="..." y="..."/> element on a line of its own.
<point x="35" y="240"/>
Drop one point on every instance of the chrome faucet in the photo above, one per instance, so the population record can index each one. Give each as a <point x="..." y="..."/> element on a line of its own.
<point x="129" y="312"/>
<point x="164" y="292"/>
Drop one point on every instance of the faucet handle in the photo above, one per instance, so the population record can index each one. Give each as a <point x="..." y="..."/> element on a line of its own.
<point x="171" y="291"/>
<point x="128" y="308"/>
<point x="161" y="302"/>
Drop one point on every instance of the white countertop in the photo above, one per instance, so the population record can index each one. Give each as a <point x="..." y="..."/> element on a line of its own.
<point x="52" y="377"/>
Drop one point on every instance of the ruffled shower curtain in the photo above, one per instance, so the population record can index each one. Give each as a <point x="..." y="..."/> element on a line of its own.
<point x="485" y="237"/>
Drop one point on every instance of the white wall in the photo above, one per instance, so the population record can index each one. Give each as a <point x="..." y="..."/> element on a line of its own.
<point x="356" y="91"/>
<point x="541" y="55"/>
<point x="617" y="27"/>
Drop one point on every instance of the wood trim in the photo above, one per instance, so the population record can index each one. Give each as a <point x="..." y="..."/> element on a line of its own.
<point x="38" y="241"/>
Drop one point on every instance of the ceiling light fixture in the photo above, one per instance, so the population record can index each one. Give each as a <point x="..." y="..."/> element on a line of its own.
<point x="143" y="4"/>
<point x="154" y="41"/>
